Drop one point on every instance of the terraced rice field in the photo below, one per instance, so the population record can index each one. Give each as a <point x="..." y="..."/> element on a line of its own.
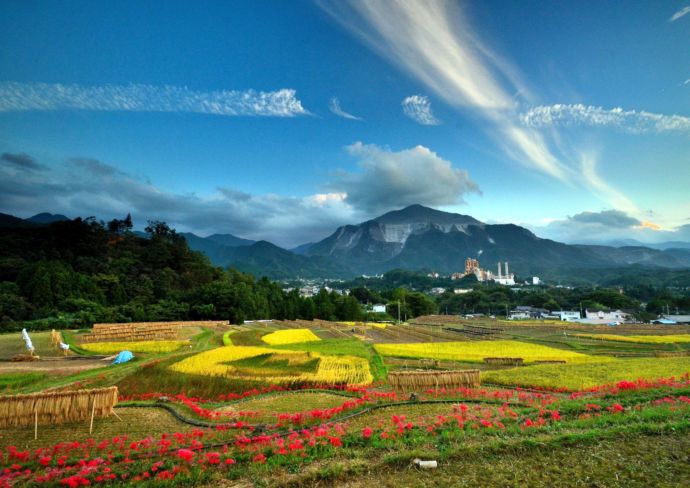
<point x="643" y="339"/>
<point x="476" y="351"/>
<point x="289" y="336"/>
<point x="329" y="369"/>
<point x="583" y="376"/>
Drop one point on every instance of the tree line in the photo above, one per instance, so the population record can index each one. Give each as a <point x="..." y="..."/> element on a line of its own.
<point x="78" y="272"/>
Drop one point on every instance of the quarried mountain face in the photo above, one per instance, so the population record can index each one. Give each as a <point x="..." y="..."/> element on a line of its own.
<point x="385" y="237"/>
<point x="417" y="237"/>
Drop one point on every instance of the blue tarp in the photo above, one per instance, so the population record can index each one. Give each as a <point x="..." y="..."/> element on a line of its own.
<point x="123" y="357"/>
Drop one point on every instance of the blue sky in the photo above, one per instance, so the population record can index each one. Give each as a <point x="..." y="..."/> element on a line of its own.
<point x="217" y="117"/>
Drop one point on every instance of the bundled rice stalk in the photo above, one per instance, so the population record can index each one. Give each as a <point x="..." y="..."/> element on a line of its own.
<point x="671" y="354"/>
<point x="406" y="381"/>
<point x="187" y="323"/>
<point x="549" y="361"/>
<point x="507" y="361"/>
<point x="56" y="407"/>
<point x="55" y="338"/>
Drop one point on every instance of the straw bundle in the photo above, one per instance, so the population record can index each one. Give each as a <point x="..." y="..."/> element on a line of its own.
<point x="549" y="361"/>
<point x="143" y="331"/>
<point x="671" y="354"/>
<point x="56" y="407"/>
<point x="19" y="358"/>
<point x="131" y="333"/>
<point x="184" y="323"/>
<point x="506" y="361"/>
<point x="429" y="363"/>
<point x="406" y="381"/>
<point x="55" y="338"/>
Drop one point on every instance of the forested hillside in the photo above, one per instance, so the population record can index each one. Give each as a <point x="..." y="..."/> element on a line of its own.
<point x="82" y="271"/>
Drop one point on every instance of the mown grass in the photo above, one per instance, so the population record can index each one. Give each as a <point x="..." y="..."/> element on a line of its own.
<point x="637" y="461"/>
<point x="10" y="382"/>
<point x="245" y="338"/>
<point x="333" y="347"/>
<point x="268" y="365"/>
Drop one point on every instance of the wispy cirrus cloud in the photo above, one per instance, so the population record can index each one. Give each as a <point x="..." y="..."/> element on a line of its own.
<point x="334" y="106"/>
<point x="433" y="42"/>
<point x="148" y="98"/>
<point x="682" y="12"/>
<point x="593" y="178"/>
<point x="587" y="115"/>
<point x="418" y="108"/>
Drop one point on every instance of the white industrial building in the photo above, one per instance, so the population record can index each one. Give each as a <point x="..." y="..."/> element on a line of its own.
<point x="601" y="317"/>
<point x="506" y="278"/>
<point x="567" y="315"/>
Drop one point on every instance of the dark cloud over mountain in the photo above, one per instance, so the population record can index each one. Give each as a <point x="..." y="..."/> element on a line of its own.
<point x="22" y="161"/>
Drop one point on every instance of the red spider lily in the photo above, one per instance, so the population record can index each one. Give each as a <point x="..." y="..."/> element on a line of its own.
<point x="213" y="457"/>
<point x="366" y="432"/>
<point x="185" y="454"/>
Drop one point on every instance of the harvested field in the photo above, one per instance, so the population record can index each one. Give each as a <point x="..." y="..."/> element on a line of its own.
<point x="58" y="366"/>
<point x="12" y="343"/>
<point x="137" y="423"/>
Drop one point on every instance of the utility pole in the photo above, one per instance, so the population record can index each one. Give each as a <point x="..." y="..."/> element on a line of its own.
<point x="398" y="311"/>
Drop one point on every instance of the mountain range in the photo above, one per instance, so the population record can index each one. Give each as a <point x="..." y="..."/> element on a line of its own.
<point x="414" y="238"/>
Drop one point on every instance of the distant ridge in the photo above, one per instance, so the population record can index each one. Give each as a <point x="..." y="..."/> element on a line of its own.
<point x="47" y="218"/>
<point x="7" y="220"/>
<point x="412" y="238"/>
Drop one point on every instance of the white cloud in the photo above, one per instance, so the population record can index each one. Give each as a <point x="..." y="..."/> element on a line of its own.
<point x="418" y="108"/>
<point x="587" y="115"/>
<point x="432" y="41"/>
<point x="394" y="179"/>
<point x="682" y="12"/>
<point x="334" y="106"/>
<point x="148" y="98"/>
